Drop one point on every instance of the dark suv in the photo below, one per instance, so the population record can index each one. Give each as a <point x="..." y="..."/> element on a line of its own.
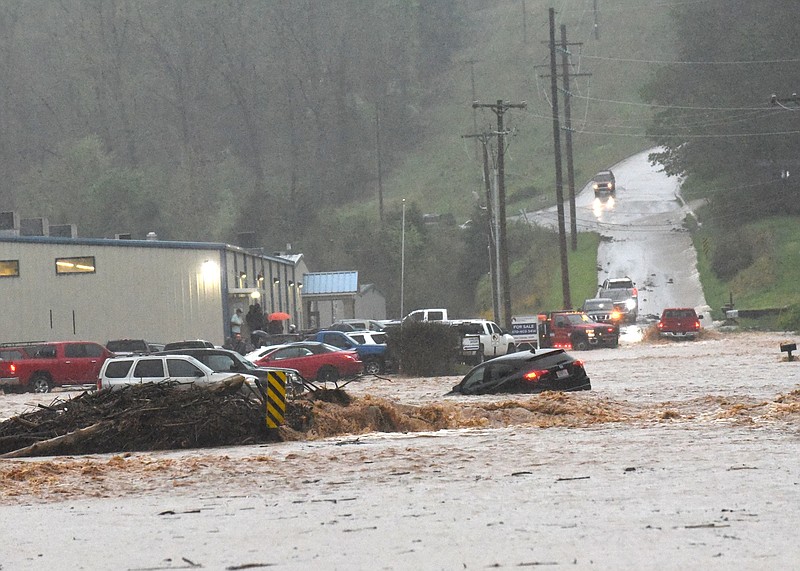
<point x="604" y="184"/>
<point x="226" y="361"/>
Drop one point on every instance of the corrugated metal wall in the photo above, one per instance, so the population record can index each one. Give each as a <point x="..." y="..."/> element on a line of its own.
<point x="159" y="294"/>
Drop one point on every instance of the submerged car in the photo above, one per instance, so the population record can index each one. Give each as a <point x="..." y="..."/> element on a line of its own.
<point x="526" y="372"/>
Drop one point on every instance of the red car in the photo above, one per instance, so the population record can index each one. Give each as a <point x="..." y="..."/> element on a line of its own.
<point x="315" y="361"/>
<point x="681" y="322"/>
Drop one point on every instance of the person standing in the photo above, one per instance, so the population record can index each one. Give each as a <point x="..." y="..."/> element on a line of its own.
<point x="236" y="322"/>
<point x="236" y="343"/>
<point x="255" y="322"/>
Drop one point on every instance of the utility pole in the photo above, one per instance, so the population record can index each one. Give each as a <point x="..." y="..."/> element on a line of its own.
<point x="403" y="263"/>
<point x="380" y="168"/>
<point x="565" y="76"/>
<point x="562" y="238"/>
<point x="472" y="63"/>
<point x="573" y="223"/>
<point x="596" y="24"/>
<point x="500" y="108"/>
<point x="524" y="23"/>
<point x="789" y="104"/>
<point x="490" y="221"/>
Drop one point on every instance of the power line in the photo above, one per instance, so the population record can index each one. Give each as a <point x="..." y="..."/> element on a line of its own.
<point x="660" y="106"/>
<point x="677" y="62"/>
<point x="691" y="136"/>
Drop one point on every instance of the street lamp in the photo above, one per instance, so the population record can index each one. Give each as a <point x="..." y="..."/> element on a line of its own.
<point x="403" y="260"/>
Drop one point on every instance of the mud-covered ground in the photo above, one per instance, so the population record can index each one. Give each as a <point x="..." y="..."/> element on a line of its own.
<point x="684" y="455"/>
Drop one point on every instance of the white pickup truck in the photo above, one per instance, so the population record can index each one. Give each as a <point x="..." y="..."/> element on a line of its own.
<point x="624" y="294"/>
<point x="491" y="340"/>
<point x="427" y="315"/>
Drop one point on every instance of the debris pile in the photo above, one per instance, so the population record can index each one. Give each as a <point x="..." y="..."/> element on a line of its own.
<point x="149" y="416"/>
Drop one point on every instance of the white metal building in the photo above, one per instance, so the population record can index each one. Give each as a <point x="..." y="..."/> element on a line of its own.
<point x="330" y="296"/>
<point x="99" y="289"/>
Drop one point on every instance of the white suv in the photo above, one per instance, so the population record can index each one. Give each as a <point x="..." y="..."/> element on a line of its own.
<point x="138" y="369"/>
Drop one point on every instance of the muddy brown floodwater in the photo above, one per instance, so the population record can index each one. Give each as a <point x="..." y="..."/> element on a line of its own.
<point x="683" y="456"/>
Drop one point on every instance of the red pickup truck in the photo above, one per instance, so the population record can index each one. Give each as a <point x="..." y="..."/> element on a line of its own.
<point x="574" y="330"/>
<point x="679" y="322"/>
<point x="38" y="367"/>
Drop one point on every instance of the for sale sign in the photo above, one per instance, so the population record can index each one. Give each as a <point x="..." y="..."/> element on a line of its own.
<point x="525" y="329"/>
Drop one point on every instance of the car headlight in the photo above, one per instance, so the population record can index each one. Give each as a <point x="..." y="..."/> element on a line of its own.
<point x="630" y="304"/>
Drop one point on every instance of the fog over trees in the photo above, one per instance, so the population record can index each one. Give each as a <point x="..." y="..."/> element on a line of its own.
<point x="715" y="116"/>
<point x="201" y="119"/>
<point x="132" y="116"/>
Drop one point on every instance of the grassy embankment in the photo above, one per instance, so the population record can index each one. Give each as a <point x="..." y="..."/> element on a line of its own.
<point x="771" y="281"/>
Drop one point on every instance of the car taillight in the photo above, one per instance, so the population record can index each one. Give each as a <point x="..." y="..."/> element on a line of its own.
<point x="610" y="330"/>
<point x="635" y="292"/>
<point x="660" y="325"/>
<point x="696" y="324"/>
<point x="534" y="376"/>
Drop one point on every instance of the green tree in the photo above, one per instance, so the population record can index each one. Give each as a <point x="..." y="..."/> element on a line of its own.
<point x="715" y="120"/>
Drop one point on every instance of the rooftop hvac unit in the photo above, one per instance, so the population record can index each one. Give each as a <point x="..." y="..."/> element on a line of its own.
<point x="34" y="227"/>
<point x="246" y="239"/>
<point x="64" y="230"/>
<point x="9" y="221"/>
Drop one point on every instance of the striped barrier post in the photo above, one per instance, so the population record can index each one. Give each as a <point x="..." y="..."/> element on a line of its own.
<point x="276" y="399"/>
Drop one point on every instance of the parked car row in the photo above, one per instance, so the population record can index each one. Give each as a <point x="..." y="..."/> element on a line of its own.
<point x="331" y="355"/>
<point x="41" y="366"/>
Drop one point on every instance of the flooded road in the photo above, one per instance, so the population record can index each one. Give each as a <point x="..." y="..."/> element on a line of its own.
<point x="642" y="236"/>
<point x="684" y="455"/>
<point x="687" y="448"/>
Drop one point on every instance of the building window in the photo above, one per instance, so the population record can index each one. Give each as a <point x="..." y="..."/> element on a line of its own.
<point x="80" y="265"/>
<point x="9" y="268"/>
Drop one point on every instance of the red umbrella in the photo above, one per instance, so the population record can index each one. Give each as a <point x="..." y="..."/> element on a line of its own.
<point x="279" y="316"/>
